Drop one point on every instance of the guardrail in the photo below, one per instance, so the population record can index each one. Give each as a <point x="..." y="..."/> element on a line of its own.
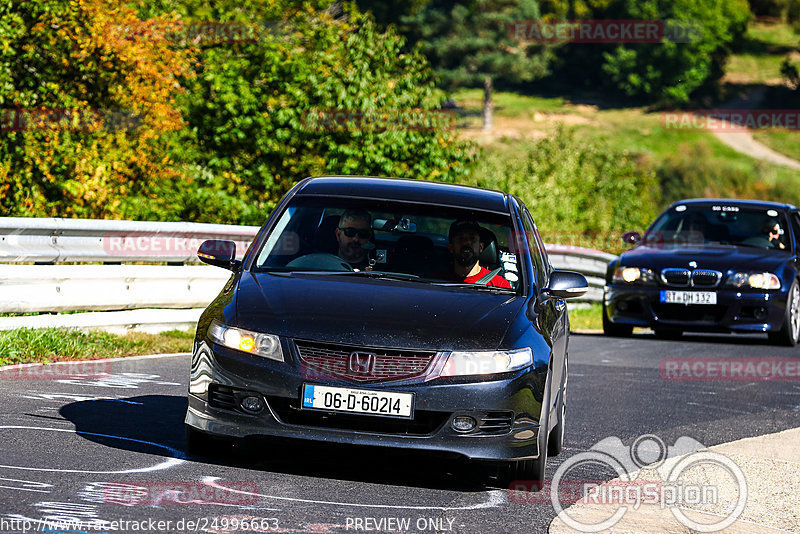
<point x="119" y="296"/>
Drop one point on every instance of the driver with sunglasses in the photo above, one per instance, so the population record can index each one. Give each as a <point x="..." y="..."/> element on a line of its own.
<point x="354" y="230"/>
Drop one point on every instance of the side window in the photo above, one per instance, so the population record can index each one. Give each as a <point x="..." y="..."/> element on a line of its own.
<point x="534" y="243"/>
<point x="795" y="218"/>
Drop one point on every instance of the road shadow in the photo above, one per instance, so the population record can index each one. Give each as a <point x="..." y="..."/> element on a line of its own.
<point x="154" y="424"/>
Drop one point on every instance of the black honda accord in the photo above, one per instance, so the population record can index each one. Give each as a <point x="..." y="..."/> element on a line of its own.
<point x="710" y="265"/>
<point x="393" y="313"/>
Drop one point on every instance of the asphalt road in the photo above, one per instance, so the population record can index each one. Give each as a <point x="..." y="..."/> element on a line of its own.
<point x="76" y="448"/>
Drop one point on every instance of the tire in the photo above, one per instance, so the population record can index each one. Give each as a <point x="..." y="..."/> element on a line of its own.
<point x="528" y="472"/>
<point x="789" y="334"/>
<point x="615" y="330"/>
<point x="668" y="333"/>
<point x="555" y="441"/>
<point x="199" y="443"/>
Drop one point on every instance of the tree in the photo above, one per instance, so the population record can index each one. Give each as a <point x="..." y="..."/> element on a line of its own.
<point x="470" y="43"/>
<point x="67" y="74"/>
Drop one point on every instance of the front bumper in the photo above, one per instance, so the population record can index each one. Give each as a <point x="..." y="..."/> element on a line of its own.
<point x="508" y="409"/>
<point x="735" y="310"/>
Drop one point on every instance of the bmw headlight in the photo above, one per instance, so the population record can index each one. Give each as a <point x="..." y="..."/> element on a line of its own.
<point x="461" y="363"/>
<point x="754" y="280"/>
<point x="265" y="345"/>
<point x="632" y="275"/>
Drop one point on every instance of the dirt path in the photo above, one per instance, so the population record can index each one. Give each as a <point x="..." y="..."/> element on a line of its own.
<point x="744" y="142"/>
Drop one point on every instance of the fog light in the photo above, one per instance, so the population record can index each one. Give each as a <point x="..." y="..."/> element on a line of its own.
<point x="252" y="404"/>
<point x="760" y="313"/>
<point x="464" y="423"/>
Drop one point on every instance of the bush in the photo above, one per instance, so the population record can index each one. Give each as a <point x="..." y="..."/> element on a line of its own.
<point x="579" y="193"/>
<point x="693" y="172"/>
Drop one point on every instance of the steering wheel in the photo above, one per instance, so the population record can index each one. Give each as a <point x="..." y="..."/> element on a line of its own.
<point x="320" y="261"/>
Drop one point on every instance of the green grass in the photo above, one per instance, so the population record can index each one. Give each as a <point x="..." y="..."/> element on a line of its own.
<point x="760" y="58"/>
<point x="783" y="141"/>
<point x="28" y="345"/>
<point x="584" y="317"/>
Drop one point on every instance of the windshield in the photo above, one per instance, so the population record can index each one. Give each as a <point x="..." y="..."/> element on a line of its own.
<point x="388" y="239"/>
<point x="720" y="224"/>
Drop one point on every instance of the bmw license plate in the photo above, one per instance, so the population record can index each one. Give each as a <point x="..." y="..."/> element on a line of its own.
<point x="363" y="401"/>
<point x="688" y="297"/>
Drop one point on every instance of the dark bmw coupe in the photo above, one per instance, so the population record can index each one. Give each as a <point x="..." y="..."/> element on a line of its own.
<point x="393" y="313"/>
<point x="710" y="265"/>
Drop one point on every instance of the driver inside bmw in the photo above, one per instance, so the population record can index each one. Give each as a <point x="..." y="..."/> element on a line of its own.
<point x="353" y="232"/>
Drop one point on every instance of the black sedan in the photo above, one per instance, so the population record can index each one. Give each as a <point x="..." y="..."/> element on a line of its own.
<point x="392" y="313"/>
<point x="710" y="265"/>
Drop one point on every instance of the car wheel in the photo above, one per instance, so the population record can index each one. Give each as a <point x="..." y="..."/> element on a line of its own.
<point x="529" y="473"/>
<point x="790" y="332"/>
<point x="668" y="333"/>
<point x="555" y="442"/>
<point x="199" y="443"/>
<point x="615" y="330"/>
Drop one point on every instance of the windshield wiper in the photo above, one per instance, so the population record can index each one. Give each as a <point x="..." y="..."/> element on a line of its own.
<point x="383" y="274"/>
<point x="476" y="286"/>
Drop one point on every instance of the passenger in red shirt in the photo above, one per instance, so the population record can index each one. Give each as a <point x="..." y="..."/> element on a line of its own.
<point x="466" y="247"/>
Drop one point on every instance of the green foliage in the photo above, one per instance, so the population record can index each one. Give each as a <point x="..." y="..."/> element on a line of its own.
<point x="469" y="41"/>
<point x="671" y="71"/>
<point x="224" y="126"/>
<point x="692" y="172"/>
<point x="573" y="187"/>
<point x="790" y="74"/>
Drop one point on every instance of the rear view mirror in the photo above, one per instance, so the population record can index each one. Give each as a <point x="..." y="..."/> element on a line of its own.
<point x="566" y="284"/>
<point x="219" y="253"/>
<point x="631" y="238"/>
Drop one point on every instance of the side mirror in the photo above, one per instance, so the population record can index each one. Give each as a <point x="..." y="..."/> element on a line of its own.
<point x="563" y="285"/>
<point x="631" y="238"/>
<point x="219" y="253"/>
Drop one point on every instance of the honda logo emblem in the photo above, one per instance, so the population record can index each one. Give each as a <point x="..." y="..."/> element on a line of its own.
<point x="362" y="363"/>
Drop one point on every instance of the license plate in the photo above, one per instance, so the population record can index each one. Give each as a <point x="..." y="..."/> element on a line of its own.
<point x="370" y="402"/>
<point x="688" y="297"/>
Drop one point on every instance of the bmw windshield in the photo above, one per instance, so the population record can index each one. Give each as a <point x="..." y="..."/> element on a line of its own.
<point x="721" y="225"/>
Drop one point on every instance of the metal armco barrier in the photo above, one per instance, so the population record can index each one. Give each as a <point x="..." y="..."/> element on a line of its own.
<point x="144" y="297"/>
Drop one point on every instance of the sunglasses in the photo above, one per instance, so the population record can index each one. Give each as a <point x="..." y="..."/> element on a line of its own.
<point x="363" y="233"/>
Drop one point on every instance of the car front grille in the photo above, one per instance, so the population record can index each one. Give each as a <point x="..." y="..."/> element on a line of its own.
<point x="701" y="278"/>
<point x="424" y="422"/>
<point x="360" y="364"/>
<point x="220" y="396"/>
<point x="705" y="278"/>
<point x="675" y="277"/>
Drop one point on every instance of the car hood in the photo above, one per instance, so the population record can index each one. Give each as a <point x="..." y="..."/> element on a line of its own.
<point x="720" y="258"/>
<point x="370" y="312"/>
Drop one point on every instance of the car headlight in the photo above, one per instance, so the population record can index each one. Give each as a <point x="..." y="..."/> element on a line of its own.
<point x="633" y="275"/>
<point x="754" y="280"/>
<point x="265" y="345"/>
<point x="461" y="363"/>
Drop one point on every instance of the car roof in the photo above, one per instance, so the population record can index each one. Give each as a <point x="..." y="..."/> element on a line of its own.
<point x="733" y="202"/>
<point x="419" y="191"/>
